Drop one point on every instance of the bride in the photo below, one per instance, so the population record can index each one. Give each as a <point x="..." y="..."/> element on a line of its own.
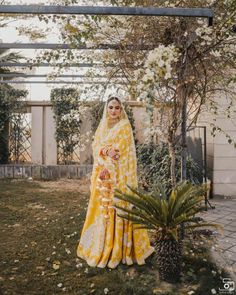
<point x="106" y="238"/>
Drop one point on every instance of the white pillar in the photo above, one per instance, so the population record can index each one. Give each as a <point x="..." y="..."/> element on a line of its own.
<point x="43" y="142"/>
<point x="37" y="135"/>
<point x="86" y="155"/>
<point x="49" y="141"/>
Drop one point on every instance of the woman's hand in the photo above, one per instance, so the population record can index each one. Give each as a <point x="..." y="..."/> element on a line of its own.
<point x="114" y="153"/>
<point x="104" y="174"/>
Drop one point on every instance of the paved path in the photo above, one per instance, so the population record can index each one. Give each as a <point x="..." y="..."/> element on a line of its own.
<point x="225" y="250"/>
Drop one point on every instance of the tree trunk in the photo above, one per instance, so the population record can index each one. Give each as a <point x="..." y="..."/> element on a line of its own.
<point x="172" y="165"/>
<point x="183" y="136"/>
<point x="169" y="259"/>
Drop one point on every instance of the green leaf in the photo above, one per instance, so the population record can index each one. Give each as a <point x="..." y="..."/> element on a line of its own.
<point x="139" y="214"/>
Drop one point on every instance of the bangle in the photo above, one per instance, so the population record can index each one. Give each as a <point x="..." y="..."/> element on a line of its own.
<point x="104" y="151"/>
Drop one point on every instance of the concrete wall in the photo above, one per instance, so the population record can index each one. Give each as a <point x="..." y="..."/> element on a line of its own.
<point x="141" y="123"/>
<point x="221" y="156"/>
<point x="43" y="143"/>
<point x="44" y="172"/>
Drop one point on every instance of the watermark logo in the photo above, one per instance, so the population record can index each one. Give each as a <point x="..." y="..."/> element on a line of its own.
<point x="228" y="286"/>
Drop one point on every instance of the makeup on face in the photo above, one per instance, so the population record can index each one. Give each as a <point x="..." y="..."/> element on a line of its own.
<point x="114" y="109"/>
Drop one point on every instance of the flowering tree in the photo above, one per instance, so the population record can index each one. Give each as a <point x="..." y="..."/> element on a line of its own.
<point x="190" y="63"/>
<point x="157" y="87"/>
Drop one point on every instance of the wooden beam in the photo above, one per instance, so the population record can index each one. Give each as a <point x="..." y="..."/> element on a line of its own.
<point x="22" y="75"/>
<point x="57" y="82"/>
<point x="28" y="64"/>
<point x="55" y="46"/>
<point x="40" y="103"/>
<point x="103" y="10"/>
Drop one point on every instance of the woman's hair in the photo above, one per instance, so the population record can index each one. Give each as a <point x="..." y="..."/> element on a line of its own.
<point x="114" y="98"/>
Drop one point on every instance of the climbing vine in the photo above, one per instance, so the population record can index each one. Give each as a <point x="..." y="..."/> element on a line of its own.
<point x="10" y="103"/>
<point x="68" y="114"/>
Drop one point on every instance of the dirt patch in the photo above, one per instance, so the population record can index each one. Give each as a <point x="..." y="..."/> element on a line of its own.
<point x="80" y="185"/>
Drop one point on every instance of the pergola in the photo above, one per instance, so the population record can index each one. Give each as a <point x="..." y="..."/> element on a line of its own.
<point x="101" y="10"/>
<point x="87" y="10"/>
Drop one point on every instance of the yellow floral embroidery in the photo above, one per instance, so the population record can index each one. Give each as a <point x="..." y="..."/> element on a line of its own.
<point x="106" y="238"/>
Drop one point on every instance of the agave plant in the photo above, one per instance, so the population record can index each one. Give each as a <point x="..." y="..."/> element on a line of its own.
<point x="164" y="217"/>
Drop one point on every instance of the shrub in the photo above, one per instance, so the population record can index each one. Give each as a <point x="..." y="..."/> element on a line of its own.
<point x="154" y="167"/>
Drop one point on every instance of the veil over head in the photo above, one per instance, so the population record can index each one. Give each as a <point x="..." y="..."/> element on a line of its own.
<point x="103" y="128"/>
<point x="106" y="237"/>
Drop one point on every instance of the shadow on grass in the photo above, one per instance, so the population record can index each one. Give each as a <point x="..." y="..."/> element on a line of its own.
<point x="40" y="230"/>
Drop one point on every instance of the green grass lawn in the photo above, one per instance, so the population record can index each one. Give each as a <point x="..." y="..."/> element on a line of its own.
<point x="40" y="229"/>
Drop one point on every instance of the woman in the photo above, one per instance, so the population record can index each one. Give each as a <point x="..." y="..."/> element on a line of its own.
<point x="106" y="238"/>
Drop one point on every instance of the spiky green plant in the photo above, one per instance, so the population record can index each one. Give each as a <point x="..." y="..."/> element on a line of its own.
<point x="164" y="215"/>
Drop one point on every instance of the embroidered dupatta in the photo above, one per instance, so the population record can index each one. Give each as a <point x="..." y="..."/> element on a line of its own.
<point x="106" y="238"/>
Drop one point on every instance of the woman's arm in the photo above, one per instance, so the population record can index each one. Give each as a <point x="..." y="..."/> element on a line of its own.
<point x="110" y="152"/>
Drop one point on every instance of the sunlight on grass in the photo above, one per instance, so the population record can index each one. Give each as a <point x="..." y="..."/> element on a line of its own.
<point x="40" y="228"/>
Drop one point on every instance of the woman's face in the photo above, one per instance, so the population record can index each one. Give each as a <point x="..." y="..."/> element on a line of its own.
<point x="113" y="109"/>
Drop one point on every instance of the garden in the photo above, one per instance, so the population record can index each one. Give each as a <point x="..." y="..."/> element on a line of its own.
<point x="173" y="61"/>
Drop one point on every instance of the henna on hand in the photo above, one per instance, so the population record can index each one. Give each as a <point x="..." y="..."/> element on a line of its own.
<point x="114" y="154"/>
<point x="104" y="174"/>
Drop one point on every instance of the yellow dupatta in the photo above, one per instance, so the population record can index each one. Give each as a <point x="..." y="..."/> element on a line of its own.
<point x="106" y="238"/>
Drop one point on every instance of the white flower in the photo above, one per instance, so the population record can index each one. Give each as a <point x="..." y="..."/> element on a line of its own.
<point x="161" y="63"/>
<point x="86" y="270"/>
<point x="213" y="291"/>
<point x="207" y="38"/>
<point x="215" y="53"/>
<point x="167" y="75"/>
<point x="145" y="78"/>
<point x="191" y="292"/>
<point x="198" y="32"/>
<point x="79" y="265"/>
<point x="59" y="285"/>
<point x="67" y="251"/>
<point x="204" y="32"/>
<point x="157" y="66"/>
<point x="106" y="290"/>
<point x="56" y="264"/>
